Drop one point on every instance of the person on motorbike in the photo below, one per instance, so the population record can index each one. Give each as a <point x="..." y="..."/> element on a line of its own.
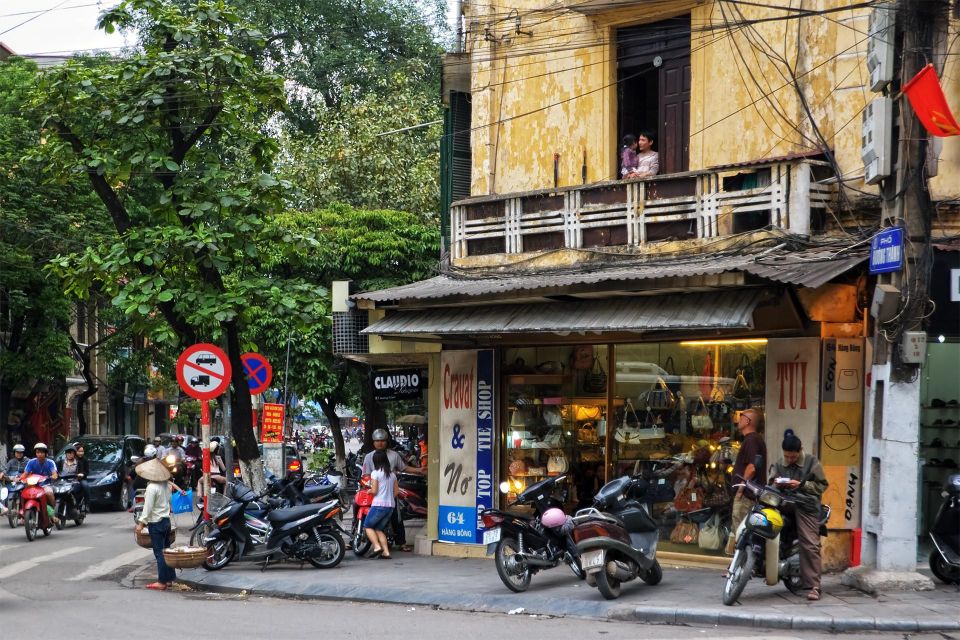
<point x="397" y="464"/>
<point x="43" y="466"/>
<point x="16" y="464"/>
<point x="801" y="474"/>
<point x="83" y="472"/>
<point x="217" y="468"/>
<point x="70" y="466"/>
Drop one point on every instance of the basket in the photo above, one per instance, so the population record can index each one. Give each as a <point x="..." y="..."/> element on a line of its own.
<point x="216" y="501"/>
<point x="185" y="557"/>
<point x="143" y="538"/>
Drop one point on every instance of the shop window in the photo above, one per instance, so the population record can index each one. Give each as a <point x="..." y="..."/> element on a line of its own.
<point x="674" y="422"/>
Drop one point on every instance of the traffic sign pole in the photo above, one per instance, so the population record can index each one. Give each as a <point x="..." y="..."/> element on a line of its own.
<point x="205" y="444"/>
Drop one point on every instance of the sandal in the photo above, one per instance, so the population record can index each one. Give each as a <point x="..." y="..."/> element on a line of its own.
<point x="386" y="556"/>
<point x="157" y="586"/>
<point x="405" y="547"/>
<point x="376" y="553"/>
<point x="814" y="595"/>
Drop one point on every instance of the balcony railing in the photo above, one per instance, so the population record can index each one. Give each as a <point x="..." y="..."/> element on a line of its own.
<point x="786" y="194"/>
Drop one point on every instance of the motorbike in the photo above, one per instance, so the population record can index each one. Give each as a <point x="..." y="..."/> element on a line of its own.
<point x="37" y="515"/>
<point x="617" y="538"/>
<point x="68" y="506"/>
<point x="767" y="543"/>
<point x="945" y="535"/>
<point x="12" y="502"/>
<point x="307" y="533"/>
<point x="412" y="496"/>
<point x="362" y="502"/>
<point x="523" y="545"/>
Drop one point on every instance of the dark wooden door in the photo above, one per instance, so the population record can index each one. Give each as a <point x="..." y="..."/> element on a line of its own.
<point x="674" y="125"/>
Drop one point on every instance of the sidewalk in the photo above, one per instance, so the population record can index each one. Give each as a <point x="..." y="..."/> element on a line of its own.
<point x="686" y="596"/>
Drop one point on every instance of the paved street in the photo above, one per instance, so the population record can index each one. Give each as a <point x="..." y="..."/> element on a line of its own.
<point x="90" y="580"/>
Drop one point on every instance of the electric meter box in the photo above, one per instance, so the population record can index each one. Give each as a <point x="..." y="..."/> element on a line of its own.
<point x="875" y="134"/>
<point x="880" y="40"/>
<point x="913" y="347"/>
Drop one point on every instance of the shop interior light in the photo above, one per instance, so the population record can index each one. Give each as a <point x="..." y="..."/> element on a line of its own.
<point x="710" y="343"/>
<point x="504" y="487"/>
<point x="941" y="339"/>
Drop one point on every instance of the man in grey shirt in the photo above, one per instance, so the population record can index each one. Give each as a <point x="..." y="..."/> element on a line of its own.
<point x="380" y="437"/>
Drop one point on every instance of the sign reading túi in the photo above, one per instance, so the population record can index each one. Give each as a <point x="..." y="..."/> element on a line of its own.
<point x="398" y="384"/>
<point x="272" y="422"/>
<point x="886" y="251"/>
<point x="466" y="444"/>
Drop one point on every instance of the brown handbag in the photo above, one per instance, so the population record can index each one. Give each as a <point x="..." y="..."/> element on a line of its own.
<point x="690" y="499"/>
<point x="685" y="532"/>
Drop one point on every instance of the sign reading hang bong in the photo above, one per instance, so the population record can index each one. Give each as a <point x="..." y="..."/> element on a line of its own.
<point x="398" y="384"/>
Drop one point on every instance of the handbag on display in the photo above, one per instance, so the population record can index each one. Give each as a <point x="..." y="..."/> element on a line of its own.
<point x="685" y="532"/>
<point x="671" y="377"/>
<point x="741" y="392"/>
<point x="713" y="534"/>
<point x="660" y="491"/>
<point x="715" y="493"/>
<point x="595" y="381"/>
<point x="582" y="357"/>
<point x="627" y="434"/>
<point x="690" y="499"/>
<point x="587" y="433"/>
<point x="518" y="468"/>
<point x="557" y="463"/>
<point x="718" y="408"/>
<point x="659" y="397"/>
<point x="700" y="420"/>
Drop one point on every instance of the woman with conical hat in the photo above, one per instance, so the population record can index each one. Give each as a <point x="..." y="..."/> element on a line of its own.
<point x="156" y="517"/>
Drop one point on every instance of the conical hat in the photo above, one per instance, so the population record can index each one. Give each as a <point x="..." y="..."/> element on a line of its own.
<point x="152" y="470"/>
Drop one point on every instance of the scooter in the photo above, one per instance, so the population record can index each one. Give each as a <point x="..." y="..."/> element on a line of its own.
<point x="12" y="502"/>
<point x="309" y="533"/>
<point x="617" y="538"/>
<point x="945" y="535"/>
<point x="525" y="545"/>
<point x="36" y="514"/>
<point x="412" y="496"/>
<point x="69" y="507"/>
<point x="362" y="501"/>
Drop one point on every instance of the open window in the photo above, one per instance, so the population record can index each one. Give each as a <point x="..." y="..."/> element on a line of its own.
<point x="653" y="87"/>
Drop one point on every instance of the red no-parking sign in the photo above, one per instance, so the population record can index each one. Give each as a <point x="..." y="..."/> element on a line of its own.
<point x="258" y="370"/>
<point x="203" y="371"/>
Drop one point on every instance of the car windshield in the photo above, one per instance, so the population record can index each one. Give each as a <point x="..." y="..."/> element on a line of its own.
<point x="102" y="455"/>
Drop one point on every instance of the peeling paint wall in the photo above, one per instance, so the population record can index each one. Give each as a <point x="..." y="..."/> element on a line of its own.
<point x="554" y="91"/>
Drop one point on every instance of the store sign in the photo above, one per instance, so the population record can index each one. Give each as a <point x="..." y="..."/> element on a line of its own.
<point x="886" y="251"/>
<point x="398" y="384"/>
<point x="466" y="444"/>
<point x="843" y="495"/>
<point x="792" y="392"/>
<point x="272" y="422"/>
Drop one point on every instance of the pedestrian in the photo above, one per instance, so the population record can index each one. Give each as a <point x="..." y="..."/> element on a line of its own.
<point x="801" y="474"/>
<point x="384" y="489"/>
<point x="155" y="517"/>
<point x="397" y="464"/>
<point x="750" y="424"/>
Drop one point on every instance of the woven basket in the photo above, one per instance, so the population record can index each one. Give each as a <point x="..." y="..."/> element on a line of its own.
<point x="143" y="538"/>
<point x="185" y="557"/>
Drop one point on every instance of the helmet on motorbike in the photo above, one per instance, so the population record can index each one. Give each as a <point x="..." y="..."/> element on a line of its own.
<point x="149" y="451"/>
<point x="766" y="522"/>
<point x="553" y="518"/>
<point x="193" y="440"/>
<point x="40" y="447"/>
<point x="381" y="434"/>
<point x="19" y="448"/>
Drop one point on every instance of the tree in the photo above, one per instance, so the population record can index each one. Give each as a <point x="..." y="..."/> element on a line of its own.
<point x="373" y="248"/>
<point x="173" y="140"/>
<point x="38" y="220"/>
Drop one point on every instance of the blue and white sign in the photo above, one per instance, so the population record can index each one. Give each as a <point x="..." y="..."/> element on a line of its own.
<point x="886" y="251"/>
<point x="466" y="444"/>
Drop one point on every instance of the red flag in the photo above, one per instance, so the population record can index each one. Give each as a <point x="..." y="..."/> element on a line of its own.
<point x="930" y="105"/>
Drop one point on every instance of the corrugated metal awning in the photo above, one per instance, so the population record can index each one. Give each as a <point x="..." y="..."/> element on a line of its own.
<point x="695" y="311"/>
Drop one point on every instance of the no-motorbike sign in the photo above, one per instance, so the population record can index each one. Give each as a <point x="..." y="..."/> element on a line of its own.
<point x="203" y="371"/>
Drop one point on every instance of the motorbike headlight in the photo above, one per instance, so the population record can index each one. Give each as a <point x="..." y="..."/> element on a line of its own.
<point x="110" y="478"/>
<point x="4" y="492"/>
<point x="171" y="459"/>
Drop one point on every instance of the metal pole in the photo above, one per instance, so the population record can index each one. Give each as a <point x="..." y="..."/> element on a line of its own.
<point x="205" y="443"/>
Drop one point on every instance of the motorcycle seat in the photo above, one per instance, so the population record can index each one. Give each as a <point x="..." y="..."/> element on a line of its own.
<point x="295" y="513"/>
<point x="314" y="492"/>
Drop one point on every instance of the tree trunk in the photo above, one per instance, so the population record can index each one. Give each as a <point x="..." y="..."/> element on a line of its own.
<point x="83" y="354"/>
<point x="242" y="413"/>
<point x="329" y="408"/>
<point x="6" y="393"/>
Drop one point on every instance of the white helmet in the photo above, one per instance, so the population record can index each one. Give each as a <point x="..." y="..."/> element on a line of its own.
<point x="19" y="448"/>
<point x="213" y="446"/>
<point x="149" y="451"/>
<point x="40" y="447"/>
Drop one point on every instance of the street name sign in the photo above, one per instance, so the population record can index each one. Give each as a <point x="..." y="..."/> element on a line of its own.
<point x="886" y="251"/>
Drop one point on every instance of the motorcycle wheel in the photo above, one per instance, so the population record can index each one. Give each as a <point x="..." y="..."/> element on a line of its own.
<point x="944" y="572"/>
<point x="13" y="514"/>
<point x="574" y="564"/>
<point x="740" y="573"/>
<point x="329" y="561"/>
<point x="653" y="575"/>
<point x="516" y="582"/>
<point x="61" y="518"/>
<point x="793" y="584"/>
<point x="219" y="554"/>
<point x="361" y="545"/>
<point x="608" y="586"/>
<point x="31" y="524"/>
<point x="200" y="533"/>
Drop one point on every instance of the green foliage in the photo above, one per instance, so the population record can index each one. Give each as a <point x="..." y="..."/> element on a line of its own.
<point x="320" y="459"/>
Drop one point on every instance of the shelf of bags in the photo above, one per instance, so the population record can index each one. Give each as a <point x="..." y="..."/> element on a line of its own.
<point x="538" y="378"/>
<point x="595" y="401"/>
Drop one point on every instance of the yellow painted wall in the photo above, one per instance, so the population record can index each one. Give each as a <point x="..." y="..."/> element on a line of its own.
<point x="945" y="185"/>
<point x="555" y="91"/>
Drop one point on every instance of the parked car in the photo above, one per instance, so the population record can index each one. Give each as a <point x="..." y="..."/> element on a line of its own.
<point x="110" y="460"/>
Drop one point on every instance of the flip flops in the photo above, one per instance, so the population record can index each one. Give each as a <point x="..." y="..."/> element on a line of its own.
<point x="376" y="553"/>
<point x="814" y="595"/>
<point x="157" y="586"/>
<point x="386" y="556"/>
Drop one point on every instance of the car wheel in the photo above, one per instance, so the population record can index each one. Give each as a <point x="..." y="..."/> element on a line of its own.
<point x="124" y="499"/>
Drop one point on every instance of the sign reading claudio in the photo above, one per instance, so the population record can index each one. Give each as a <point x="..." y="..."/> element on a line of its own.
<point x="466" y="444"/>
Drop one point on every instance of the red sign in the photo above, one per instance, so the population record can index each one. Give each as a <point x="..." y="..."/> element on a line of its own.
<point x="272" y="422"/>
<point x="173" y="411"/>
<point x="258" y="371"/>
<point x="203" y="371"/>
<point x="929" y="103"/>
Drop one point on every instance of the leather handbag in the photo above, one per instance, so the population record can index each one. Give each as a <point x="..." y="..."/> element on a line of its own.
<point x="557" y="463"/>
<point x="633" y="434"/>
<point x="685" y="532"/>
<point x="659" y="397"/>
<point x="741" y="392"/>
<point x="690" y="499"/>
<point x="718" y="408"/>
<point x="713" y="534"/>
<point x="700" y="420"/>
<point x="595" y="381"/>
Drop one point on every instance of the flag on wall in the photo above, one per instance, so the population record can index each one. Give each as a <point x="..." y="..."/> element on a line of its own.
<point x="930" y="105"/>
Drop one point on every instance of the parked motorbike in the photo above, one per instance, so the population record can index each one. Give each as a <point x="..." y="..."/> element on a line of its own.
<point x="617" y="538"/>
<point x="412" y="496"/>
<point x="362" y="502"/>
<point x="36" y="514"/>
<point x="524" y="545"/>
<point x="767" y="543"/>
<point x="69" y="507"/>
<point x="308" y="533"/>
<point x="945" y="535"/>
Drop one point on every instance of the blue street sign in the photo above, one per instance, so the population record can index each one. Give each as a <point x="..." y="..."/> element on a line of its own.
<point x="258" y="372"/>
<point x="886" y="251"/>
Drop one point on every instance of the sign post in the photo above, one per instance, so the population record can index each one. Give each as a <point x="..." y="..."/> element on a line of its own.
<point x="203" y="371"/>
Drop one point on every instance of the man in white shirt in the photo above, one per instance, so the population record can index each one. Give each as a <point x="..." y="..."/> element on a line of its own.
<point x="397" y="464"/>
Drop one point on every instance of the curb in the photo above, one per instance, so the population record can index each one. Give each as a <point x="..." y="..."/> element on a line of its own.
<point x="564" y="607"/>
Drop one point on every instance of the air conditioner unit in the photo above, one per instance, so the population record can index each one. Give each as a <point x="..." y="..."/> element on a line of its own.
<point x="876" y="135"/>
<point x="880" y="45"/>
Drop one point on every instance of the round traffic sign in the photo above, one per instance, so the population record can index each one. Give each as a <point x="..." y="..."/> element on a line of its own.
<point x="203" y="371"/>
<point x="258" y="370"/>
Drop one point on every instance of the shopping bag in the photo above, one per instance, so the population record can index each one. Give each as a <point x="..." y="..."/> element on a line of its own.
<point x="182" y="503"/>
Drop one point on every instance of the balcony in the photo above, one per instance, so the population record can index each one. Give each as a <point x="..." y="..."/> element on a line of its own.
<point x="786" y="193"/>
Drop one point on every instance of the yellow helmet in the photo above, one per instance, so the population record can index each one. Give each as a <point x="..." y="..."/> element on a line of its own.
<point x="766" y="522"/>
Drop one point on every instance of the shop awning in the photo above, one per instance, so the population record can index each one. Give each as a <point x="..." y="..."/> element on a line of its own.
<point x="694" y="311"/>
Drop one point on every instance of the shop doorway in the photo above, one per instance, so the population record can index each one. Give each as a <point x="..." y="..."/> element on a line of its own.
<point x="653" y="87"/>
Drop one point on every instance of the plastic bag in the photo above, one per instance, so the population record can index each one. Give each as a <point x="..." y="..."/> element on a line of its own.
<point x="182" y="503"/>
